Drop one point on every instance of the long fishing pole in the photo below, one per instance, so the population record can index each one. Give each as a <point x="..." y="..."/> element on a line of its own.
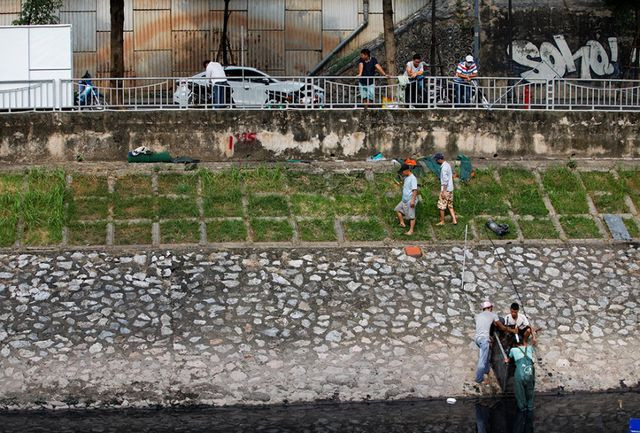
<point x="515" y="288"/>
<point x="464" y="255"/>
<point x="471" y="304"/>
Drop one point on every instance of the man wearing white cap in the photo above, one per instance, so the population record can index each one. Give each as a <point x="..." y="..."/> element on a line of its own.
<point x="466" y="71"/>
<point x="484" y="321"/>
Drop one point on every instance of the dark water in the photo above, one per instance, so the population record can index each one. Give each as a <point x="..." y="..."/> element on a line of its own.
<point x="603" y="413"/>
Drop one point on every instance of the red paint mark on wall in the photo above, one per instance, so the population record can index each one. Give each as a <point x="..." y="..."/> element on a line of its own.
<point x="244" y="138"/>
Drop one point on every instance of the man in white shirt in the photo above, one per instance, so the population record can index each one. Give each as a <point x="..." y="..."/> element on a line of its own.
<point x="445" y="199"/>
<point x="218" y="81"/>
<point x="406" y="209"/>
<point x="519" y="321"/>
<point x="415" y="71"/>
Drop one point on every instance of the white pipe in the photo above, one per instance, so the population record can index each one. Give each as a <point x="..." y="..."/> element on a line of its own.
<point x="365" y="22"/>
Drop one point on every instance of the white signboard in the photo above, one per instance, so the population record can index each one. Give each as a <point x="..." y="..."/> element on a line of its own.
<point x="33" y="61"/>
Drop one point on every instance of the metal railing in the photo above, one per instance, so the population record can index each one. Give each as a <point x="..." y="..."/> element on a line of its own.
<point x="319" y="93"/>
<point x="28" y="95"/>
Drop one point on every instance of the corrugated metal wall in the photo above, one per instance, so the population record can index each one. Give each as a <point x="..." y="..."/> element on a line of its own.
<point x="173" y="37"/>
<point x="9" y="11"/>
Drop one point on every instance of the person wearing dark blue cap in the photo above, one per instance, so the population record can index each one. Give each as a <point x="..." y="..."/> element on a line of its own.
<point x="406" y="209"/>
<point x="445" y="199"/>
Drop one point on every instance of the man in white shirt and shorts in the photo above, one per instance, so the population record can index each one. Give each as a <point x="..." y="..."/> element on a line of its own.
<point x="445" y="199"/>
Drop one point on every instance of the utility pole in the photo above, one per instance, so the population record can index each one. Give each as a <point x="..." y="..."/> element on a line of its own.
<point x="116" y="12"/>
<point x="510" y="33"/>
<point x="432" y="55"/>
<point x="476" y="32"/>
<point x="224" y="49"/>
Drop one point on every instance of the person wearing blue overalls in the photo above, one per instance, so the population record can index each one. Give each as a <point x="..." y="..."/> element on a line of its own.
<point x="524" y="379"/>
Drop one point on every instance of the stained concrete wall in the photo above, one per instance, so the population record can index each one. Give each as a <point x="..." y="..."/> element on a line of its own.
<point x="345" y="134"/>
<point x="257" y="326"/>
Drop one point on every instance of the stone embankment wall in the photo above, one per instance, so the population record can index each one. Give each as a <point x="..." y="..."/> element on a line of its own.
<point x="256" y="326"/>
<point x="215" y="135"/>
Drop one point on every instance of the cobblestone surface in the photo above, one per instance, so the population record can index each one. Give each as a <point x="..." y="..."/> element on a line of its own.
<point x="257" y="326"/>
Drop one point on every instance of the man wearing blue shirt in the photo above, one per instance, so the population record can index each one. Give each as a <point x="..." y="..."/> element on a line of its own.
<point x="367" y="67"/>
<point x="406" y="209"/>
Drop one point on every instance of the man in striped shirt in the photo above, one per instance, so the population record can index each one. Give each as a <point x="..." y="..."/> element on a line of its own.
<point x="465" y="72"/>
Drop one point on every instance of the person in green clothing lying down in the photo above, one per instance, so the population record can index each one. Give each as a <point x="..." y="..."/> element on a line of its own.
<point x="524" y="379"/>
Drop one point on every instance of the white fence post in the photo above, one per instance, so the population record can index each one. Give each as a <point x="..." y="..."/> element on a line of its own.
<point x="550" y="86"/>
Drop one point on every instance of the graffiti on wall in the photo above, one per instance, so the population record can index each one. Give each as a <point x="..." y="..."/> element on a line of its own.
<point x="250" y="138"/>
<point x="556" y="60"/>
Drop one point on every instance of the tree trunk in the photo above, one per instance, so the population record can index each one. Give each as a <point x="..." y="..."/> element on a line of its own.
<point x="389" y="37"/>
<point x="117" y="43"/>
<point x="224" y="40"/>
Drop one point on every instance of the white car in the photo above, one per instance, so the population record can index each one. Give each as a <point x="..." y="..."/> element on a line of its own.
<point x="250" y="87"/>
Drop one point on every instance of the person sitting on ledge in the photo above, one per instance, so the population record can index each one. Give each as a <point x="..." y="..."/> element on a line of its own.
<point x="518" y="320"/>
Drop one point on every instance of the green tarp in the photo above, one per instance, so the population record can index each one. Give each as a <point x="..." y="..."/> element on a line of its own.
<point x="154" y="157"/>
<point x="428" y="164"/>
